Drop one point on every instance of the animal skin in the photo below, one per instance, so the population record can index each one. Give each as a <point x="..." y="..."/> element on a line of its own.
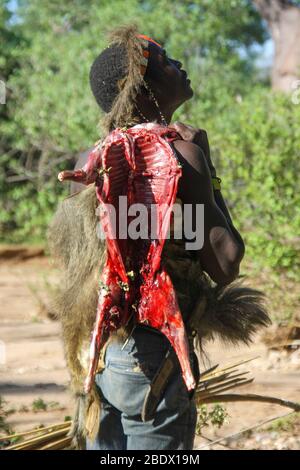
<point x="139" y="163"/>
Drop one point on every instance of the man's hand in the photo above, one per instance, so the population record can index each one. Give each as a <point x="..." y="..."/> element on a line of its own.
<point x="198" y="137"/>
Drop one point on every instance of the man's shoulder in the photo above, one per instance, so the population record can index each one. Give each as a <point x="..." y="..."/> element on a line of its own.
<point x="187" y="148"/>
<point x="190" y="153"/>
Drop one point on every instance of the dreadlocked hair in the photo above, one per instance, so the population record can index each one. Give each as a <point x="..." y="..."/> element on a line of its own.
<point x="116" y="78"/>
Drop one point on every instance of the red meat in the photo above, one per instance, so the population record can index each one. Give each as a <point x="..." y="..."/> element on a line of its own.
<point x="140" y="164"/>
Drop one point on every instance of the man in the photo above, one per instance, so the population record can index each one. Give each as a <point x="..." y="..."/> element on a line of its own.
<point x="223" y="247"/>
<point x="132" y="90"/>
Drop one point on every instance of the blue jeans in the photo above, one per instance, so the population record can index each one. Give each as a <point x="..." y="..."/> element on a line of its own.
<point x="122" y="386"/>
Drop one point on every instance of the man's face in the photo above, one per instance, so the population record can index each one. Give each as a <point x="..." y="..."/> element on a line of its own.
<point x="167" y="78"/>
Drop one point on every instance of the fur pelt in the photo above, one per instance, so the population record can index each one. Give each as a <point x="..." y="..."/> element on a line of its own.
<point x="121" y="113"/>
<point x="80" y="256"/>
<point x="233" y="313"/>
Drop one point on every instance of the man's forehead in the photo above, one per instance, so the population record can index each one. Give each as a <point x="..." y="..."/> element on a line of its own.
<point x="157" y="49"/>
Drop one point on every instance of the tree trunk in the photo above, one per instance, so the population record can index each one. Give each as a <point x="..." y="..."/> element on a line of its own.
<point x="283" y="19"/>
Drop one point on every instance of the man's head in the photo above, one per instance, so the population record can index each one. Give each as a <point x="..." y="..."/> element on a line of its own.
<point x="119" y="74"/>
<point x="166" y="78"/>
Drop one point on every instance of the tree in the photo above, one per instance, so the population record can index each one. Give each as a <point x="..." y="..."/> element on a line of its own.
<point x="283" y="19"/>
<point x="52" y="114"/>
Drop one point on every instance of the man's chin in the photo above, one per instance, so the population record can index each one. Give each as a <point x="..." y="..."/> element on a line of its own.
<point x="190" y="92"/>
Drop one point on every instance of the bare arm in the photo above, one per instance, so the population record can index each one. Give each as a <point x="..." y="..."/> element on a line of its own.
<point x="222" y="205"/>
<point x="222" y="250"/>
<point x="199" y="137"/>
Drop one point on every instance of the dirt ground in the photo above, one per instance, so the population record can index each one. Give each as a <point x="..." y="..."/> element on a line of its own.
<point x="34" y="379"/>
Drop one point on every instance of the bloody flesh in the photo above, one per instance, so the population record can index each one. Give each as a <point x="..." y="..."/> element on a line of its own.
<point x="137" y="163"/>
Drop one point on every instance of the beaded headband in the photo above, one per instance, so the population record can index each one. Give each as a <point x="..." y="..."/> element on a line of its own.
<point x="145" y="40"/>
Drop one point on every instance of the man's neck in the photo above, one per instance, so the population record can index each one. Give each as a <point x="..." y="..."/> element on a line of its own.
<point x="151" y="114"/>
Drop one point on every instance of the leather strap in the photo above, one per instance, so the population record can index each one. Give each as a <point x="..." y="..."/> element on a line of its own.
<point x="159" y="383"/>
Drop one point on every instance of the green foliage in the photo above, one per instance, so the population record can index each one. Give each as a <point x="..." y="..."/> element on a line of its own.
<point x="257" y="149"/>
<point x="285" y="424"/>
<point x="217" y="416"/>
<point x="4" y="426"/>
<point x="50" y="114"/>
<point x="29" y="211"/>
<point x="39" y="405"/>
<point x="61" y="40"/>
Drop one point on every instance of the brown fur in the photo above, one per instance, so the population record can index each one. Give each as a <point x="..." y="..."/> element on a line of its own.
<point x="80" y="256"/>
<point x="121" y="114"/>
<point x="233" y="313"/>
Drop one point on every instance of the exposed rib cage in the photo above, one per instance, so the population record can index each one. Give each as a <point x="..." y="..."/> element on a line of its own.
<point x="138" y="163"/>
